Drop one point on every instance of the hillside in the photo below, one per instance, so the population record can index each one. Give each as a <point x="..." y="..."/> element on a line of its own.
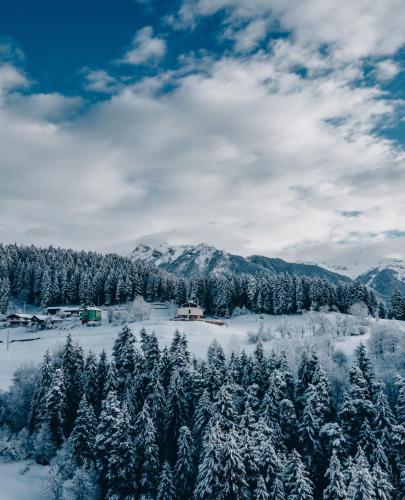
<point x="205" y="259"/>
<point x="385" y="278"/>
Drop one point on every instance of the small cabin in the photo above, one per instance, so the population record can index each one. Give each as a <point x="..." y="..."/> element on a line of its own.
<point x="43" y="321"/>
<point x="63" y="311"/>
<point x="19" y="319"/>
<point x="90" y="313"/>
<point x="190" y="311"/>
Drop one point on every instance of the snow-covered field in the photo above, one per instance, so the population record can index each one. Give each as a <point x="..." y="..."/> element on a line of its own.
<point x="232" y="336"/>
<point x="21" y="481"/>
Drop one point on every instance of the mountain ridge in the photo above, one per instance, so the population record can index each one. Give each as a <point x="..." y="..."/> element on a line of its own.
<point x="206" y="259"/>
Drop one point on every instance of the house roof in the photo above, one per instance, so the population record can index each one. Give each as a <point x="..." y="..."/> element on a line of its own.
<point x="190" y="304"/>
<point x="41" y="317"/>
<point x="20" y="315"/>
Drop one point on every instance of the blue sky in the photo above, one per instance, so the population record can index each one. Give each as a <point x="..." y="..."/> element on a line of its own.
<point x="273" y="127"/>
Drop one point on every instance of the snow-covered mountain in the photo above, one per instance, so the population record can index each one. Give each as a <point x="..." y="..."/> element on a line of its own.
<point x="206" y="259"/>
<point x="386" y="277"/>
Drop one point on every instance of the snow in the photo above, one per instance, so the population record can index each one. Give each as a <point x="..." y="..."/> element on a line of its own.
<point x="21" y="481"/>
<point x="232" y="336"/>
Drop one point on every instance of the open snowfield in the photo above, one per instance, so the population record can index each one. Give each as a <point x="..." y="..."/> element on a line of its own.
<point x="21" y="481"/>
<point x="232" y="336"/>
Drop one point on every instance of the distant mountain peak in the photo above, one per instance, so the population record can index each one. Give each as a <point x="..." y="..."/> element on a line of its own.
<point x="386" y="277"/>
<point x="206" y="259"/>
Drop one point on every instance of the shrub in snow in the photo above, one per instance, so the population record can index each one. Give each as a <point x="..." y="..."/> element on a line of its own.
<point x="263" y="334"/>
<point x="138" y="309"/>
<point x="82" y="486"/>
<point x="44" y="445"/>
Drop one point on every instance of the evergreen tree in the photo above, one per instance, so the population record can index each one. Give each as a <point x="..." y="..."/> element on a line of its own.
<point x="72" y="365"/>
<point x="336" y="489"/>
<point x="210" y="470"/>
<point x="148" y="449"/>
<point x="55" y="407"/>
<point x="107" y="429"/>
<point x="233" y="484"/>
<point x="278" y="490"/>
<point x="382" y="485"/>
<point x="82" y="438"/>
<point x="297" y="483"/>
<point x="176" y="412"/>
<point x="261" y="492"/>
<point x="38" y="403"/>
<point x="361" y="486"/>
<point x="166" y="490"/>
<point x="120" y="476"/>
<point x="184" y="469"/>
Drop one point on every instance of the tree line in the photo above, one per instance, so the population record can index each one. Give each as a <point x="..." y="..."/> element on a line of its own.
<point x="157" y="424"/>
<point x="55" y="276"/>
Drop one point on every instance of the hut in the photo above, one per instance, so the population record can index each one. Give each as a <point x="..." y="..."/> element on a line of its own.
<point x="190" y="311"/>
<point x="19" y="319"/>
<point x="42" y="321"/>
<point x="90" y="314"/>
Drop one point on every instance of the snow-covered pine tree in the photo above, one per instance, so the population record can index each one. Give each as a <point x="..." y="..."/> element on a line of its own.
<point x="166" y="490"/>
<point x="120" y="477"/>
<point x="384" y="419"/>
<point x="107" y="428"/>
<point x="91" y="387"/>
<point x="278" y="491"/>
<point x="37" y="408"/>
<point x="101" y="379"/>
<point x="297" y="483"/>
<point x="382" y="484"/>
<point x="261" y="492"/>
<point x="184" y="468"/>
<point x="233" y="484"/>
<point x="55" y="407"/>
<point x="4" y="294"/>
<point x="367" y="439"/>
<point x="72" y="366"/>
<point x="361" y="486"/>
<point x="210" y="470"/>
<point x="82" y="437"/>
<point x="176" y="412"/>
<point x="336" y="488"/>
<point x="202" y="416"/>
<point x="147" y="448"/>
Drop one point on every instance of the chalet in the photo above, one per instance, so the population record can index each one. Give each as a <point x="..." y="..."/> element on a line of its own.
<point x="90" y="314"/>
<point x="63" y="311"/>
<point x="43" y="320"/>
<point x="19" y="319"/>
<point x="190" y="311"/>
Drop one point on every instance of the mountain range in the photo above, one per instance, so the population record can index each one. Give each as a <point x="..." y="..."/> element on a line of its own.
<point x="187" y="260"/>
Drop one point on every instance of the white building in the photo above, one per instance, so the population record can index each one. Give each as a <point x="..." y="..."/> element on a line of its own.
<point x="190" y="311"/>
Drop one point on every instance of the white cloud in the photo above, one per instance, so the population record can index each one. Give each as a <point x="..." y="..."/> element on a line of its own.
<point x="355" y="29"/>
<point x="248" y="153"/>
<point x="101" y="81"/>
<point x="248" y="37"/>
<point x="145" y="48"/>
<point x="11" y="78"/>
<point x="386" y="70"/>
<point x="244" y="151"/>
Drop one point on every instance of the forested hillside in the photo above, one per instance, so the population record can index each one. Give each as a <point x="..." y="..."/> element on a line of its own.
<point x="154" y="423"/>
<point x="53" y="276"/>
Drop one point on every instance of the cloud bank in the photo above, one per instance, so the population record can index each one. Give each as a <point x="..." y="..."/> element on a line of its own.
<point x="273" y="147"/>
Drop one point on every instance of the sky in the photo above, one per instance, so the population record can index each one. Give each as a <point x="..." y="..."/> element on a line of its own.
<point x="273" y="127"/>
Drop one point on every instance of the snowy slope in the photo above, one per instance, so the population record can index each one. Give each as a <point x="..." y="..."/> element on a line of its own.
<point x="205" y="259"/>
<point x="232" y="336"/>
<point x="386" y="277"/>
<point x="22" y="481"/>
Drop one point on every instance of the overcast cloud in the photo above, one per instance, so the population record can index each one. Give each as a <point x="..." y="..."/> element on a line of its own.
<point x="273" y="147"/>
